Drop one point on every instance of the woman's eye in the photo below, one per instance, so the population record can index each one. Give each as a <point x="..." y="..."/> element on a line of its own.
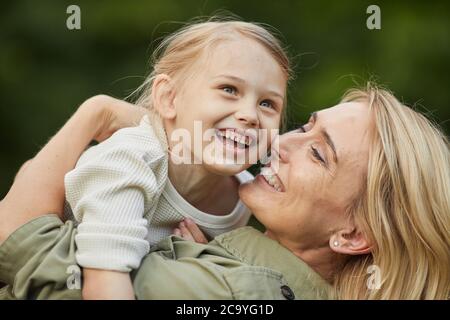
<point x="267" y="104"/>
<point x="317" y="155"/>
<point x="304" y="127"/>
<point x="229" y="89"/>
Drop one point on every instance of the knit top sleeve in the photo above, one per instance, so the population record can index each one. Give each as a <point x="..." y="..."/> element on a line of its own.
<point x="113" y="192"/>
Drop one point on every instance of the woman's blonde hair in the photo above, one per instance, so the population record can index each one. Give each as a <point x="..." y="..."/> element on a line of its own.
<point x="404" y="209"/>
<point x="180" y="50"/>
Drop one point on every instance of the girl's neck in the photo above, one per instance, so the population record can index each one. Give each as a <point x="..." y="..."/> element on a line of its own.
<point x="204" y="190"/>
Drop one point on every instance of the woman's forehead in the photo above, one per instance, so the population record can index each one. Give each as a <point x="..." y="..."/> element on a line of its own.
<point x="348" y="111"/>
<point x="348" y="125"/>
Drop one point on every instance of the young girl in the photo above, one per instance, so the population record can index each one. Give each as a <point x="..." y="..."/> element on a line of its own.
<point x="131" y="190"/>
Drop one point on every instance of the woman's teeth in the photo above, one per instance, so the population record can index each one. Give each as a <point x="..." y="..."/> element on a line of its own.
<point x="271" y="178"/>
<point x="242" y="141"/>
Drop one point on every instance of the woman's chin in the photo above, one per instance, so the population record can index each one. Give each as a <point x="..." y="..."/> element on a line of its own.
<point x="250" y="195"/>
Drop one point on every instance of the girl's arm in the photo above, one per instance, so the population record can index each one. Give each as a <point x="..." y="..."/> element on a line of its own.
<point x="107" y="285"/>
<point x="39" y="186"/>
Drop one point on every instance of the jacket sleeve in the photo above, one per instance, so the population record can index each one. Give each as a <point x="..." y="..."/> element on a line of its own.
<point x="179" y="269"/>
<point x="38" y="261"/>
<point x="110" y="191"/>
<point x="162" y="277"/>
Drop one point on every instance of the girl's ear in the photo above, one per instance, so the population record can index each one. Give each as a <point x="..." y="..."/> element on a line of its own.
<point x="163" y="95"/>
<point x="350" y="241"/>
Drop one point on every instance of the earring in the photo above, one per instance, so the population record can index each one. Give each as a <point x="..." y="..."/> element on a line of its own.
<point x="336" y="243"/>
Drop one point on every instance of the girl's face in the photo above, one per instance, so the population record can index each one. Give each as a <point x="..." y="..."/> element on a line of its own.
<point x="234" y="90"/>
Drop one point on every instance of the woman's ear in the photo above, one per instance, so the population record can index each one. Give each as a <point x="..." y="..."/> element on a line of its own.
<point x="163" y="95"/>
<point x="350" y="241"/>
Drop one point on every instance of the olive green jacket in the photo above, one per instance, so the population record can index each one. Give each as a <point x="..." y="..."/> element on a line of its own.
<point x="38" y="262"/>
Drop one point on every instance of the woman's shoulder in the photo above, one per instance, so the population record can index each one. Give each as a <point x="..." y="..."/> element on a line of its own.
<point x="241" y="264"/>
<point x="188" y="270"/>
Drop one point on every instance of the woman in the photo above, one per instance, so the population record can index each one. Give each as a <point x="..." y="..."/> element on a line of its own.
<point x="362" y="186"/>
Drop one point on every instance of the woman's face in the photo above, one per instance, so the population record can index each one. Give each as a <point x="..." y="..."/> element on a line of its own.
<point x="316" y="174"/>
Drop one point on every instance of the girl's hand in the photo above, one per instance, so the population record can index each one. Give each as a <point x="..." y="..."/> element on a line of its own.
<point x="188" y="230"/>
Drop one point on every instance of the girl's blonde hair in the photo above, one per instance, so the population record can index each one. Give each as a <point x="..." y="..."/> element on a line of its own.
<point x="179" y="51"/>
<point x="404" y="208"/>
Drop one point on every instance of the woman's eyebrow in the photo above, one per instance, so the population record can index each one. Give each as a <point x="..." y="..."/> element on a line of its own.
<point x="326" y="137"/>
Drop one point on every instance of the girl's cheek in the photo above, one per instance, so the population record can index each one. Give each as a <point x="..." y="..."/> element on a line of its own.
<point x="270" y="123"/>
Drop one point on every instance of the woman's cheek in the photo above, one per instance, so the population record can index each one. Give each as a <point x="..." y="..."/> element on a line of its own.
<point x="305" y="179"/>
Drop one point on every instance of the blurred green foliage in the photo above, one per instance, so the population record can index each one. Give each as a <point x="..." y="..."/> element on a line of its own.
<point x="46" y="70"/>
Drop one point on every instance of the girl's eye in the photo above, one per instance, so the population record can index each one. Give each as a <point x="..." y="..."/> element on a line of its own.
<point x="317" y="155"/>
<point x="229" y="89"/>
<point x="267" y="104"/>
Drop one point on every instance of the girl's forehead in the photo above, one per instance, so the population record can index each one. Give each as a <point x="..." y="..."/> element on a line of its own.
<point x="234" y="50"/>
<point x="241" y="57"/>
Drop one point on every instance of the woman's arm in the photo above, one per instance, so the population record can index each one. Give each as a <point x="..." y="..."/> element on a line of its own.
<point x="39" y="186"/>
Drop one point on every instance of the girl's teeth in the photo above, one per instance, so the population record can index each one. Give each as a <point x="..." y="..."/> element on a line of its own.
<point x="235" y="137"/>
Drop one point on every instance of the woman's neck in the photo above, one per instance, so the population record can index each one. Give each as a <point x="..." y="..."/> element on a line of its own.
<point x="204" y="190"/>
<point x="320" y="258"/>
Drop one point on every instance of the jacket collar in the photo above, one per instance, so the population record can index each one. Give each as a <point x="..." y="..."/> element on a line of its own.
<point x="254" y="248"/>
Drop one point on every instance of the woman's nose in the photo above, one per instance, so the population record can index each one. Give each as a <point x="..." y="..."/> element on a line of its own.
<point x="278" y="150"/>
<point x="287" y="143"/>
<point x="248" y="115"/>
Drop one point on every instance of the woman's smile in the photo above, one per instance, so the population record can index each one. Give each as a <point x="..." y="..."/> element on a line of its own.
<point x="270" y="178"/>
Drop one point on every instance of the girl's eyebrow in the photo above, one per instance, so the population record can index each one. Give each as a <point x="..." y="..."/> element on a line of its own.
<point x="231" y="77"/>
<point x="326" y="137"/>
<point x="276" y="94"/>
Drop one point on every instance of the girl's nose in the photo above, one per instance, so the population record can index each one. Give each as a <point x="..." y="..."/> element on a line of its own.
<point x="248" y="115"/>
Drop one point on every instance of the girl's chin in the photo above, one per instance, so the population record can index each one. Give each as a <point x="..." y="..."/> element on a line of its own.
<point x="225" y="169"/>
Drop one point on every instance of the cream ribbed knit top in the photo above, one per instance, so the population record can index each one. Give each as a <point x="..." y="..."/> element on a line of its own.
<point x="120" y="195"/>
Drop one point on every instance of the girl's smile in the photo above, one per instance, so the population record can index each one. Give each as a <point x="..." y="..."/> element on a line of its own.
<point x="238" y="92"/>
